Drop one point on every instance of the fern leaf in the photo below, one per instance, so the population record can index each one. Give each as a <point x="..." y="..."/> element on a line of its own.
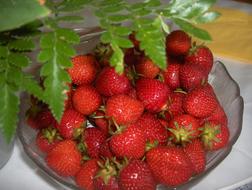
<point x="23" y="44"/>
<point x="18" y="59"/>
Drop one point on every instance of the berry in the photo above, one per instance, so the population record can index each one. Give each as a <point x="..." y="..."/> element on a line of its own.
<point x="146" y="68"/>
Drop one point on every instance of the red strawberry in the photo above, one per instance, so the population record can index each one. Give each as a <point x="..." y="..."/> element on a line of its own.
<point x="146" y="68"/>
<point x="68" y="101"/>
<point x="169" y="165"/>
<point x="197" y="155"/>
<point x="124" y="109"/>
<point x="101" y="121"/>
<point x="174" y="105"/>
<point x="136" y="42"/>
<point x="109" y="83"/>
<point x="191" y="76"/>
<point x="86" y="99"/>
<point x="128" y="142"/>
<point x="202" y="56"/>
<point x="184" y="128"/>
<point x="136" y="176"/>
<point x="105" y="151"/>
<point x="83" y="70"/>
<point x="131" y="56"/>
<point x="153" y="93"/>
<point x="93" y="138"/>
<point x="200" y="103"/>
<point x="152" y="128"/>
<point x="85" y="176"/>
<point x="71" y="124"/>
<point x="64" y="158"/>
<point x="132" y="93"/>
<point x="178" y="43"/>
<point x="215" y="135"/>
<point x="47" y="138"/>
<point x="106" y="178"/>
<point x="171" y="76"/>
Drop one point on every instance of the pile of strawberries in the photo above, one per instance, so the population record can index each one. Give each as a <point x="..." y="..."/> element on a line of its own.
<point x="134" y="130"/>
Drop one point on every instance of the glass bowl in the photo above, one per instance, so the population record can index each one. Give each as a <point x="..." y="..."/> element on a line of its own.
<point x="226" y="89"/>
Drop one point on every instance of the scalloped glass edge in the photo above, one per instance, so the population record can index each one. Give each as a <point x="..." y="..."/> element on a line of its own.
<point x="226" y="89"/>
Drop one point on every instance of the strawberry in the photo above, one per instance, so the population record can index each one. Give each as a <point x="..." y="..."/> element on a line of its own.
<point x="197" y="155"/>
<point x="124" y="109"/>
<point x="191" y="76"/>
<point x="133" y="39"/>
<point x="147" y="68"/>
<point x="184" y="128"/>
<point x="152" y="128"/>
<point x="105" y="151"/>
<point x="131" y="56"/>
<point x="101" y="121"/>
<point x="153" y="94"/>
<point x="83" y="70"/>
<point x="109" y="83"/>
<point x="47" y="138"/>
<point x="202" y="56"/>
<point x="200" y="103"/>
<point x="86" y="99"/>
<point x="64" y="158"/>
<point x="215" y="135"/>
<point x="174" y="105"/>
<point x="93" y="138"/>
<point x="178" y="43"/>
<point x="71" y="124"/>
<point x="85" y="176"/>
<point x="171" y="76"/>
<point x="128" y="142"/>
<point x="169" y="165"/>
<point x="136" y="176"/>
<point x="106" y="178"/>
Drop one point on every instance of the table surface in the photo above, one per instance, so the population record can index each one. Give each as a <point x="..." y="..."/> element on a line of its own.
<point x="235" y="171"/>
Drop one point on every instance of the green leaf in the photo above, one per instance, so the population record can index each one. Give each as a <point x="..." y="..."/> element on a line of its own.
<point x="123" y="42"/>
<point x="72" y="5"/>
<point x="114" y="8"/>
<point x="106" y="37"/>
<point x="47" y="40"/>
<point x="208" y="17"/>
<point x="153" y="3"/>
<point x="65" y="48"/>
<point x="68" y="35"/>
<point x="45" y="55"/>
<point x="9" y="108"/>
<point x="70" y="19"/>
<point x="14" y="76"/>
<point x="189" y="28"/>
<point x="31" y="86"/>
<point x="19" y="60"/>
<point x="3" y="52"/>
<point x="122" y="30"/>
<point x="164" y="25"/>
<point x="23" y="44"/>
<point x="15" y="13"/>
<point x="118" y="17"/>
<point x="116" y="59"/>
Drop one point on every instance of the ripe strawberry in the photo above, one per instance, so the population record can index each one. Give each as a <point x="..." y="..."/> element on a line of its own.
<point x="174" y="105"/>
<point x="101" y="122"/>
<point x="124" y="109"/>
<point x="85" y="176"/>
<point x="197" y="155"/>
<point x="106" y="178"/>
<point x="218" y="115"/>
<point x="105" y="151"/>
<point x="153" y="94"/>
<point x="215" y="135"/>
<point x="147" y="68"/>
<point x="83" y="70"/>
<point x="71" y="124"/>
<point x="133" y="39"/>
<point x="191" y="76"/>
<point x="200" y="103"/>
<point x="152" y="128"/>
<point x="169" y="165"/>
<point x="93" y="138"/>
<point x="68" y="102"/>
<point x="202" y="56"/>
<point x="131" y="56"/>
<point x="184" y="128"/>
<point x="86" y="99"/>
<point x="64" y="158"/>
<point x="47" y="138"/>
<point x="136" y="176"/>
<point x="109" y="83"/>
<point x="178" y="43"/>
<point x="132" y="93"/>
<point x="128" y="142"/>
<point x="171" y="76"/>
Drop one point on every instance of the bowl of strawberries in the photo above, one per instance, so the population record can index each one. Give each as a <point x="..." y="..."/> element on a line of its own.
<point x="143" y="129"/>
